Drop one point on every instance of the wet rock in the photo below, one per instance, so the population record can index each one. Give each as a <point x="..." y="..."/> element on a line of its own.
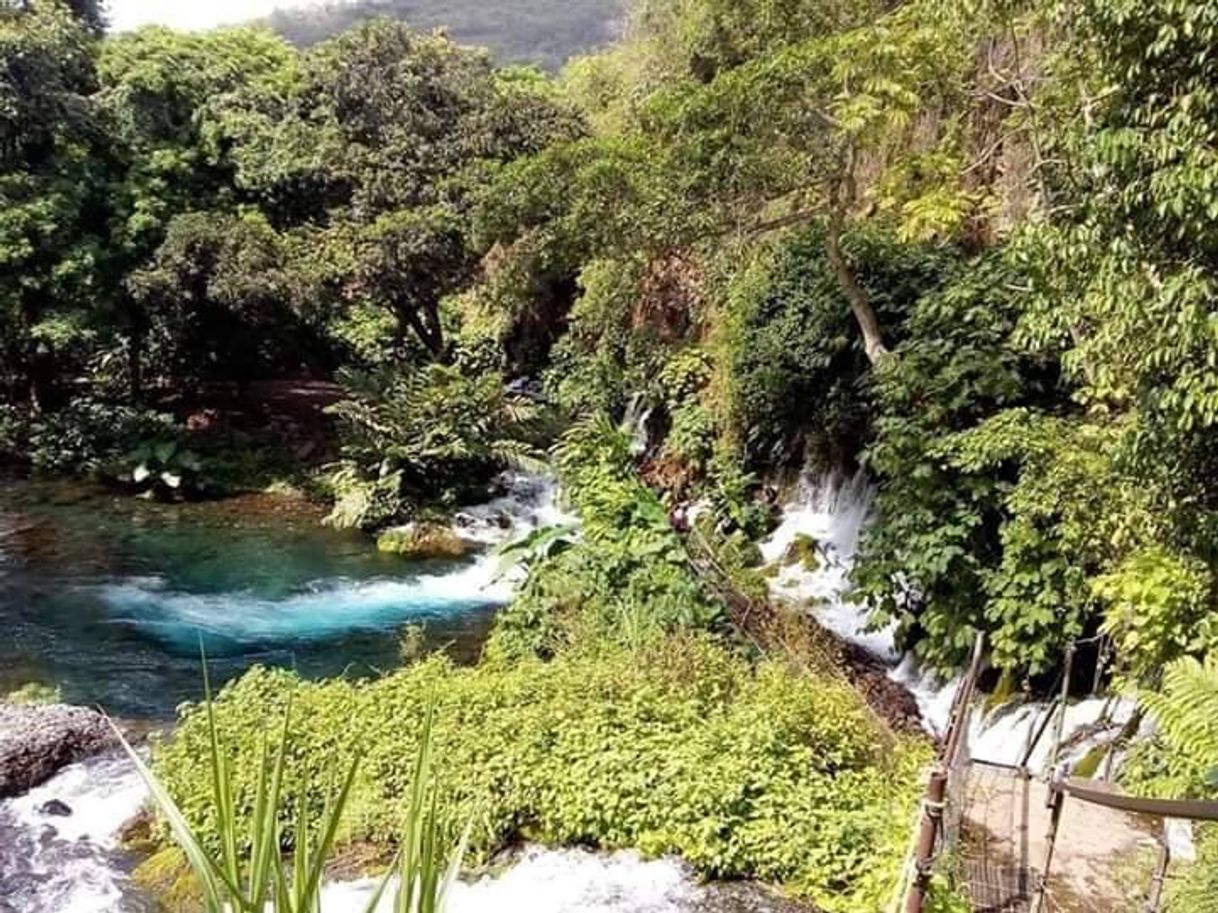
<point x="38" y="740"/>
<point x="55" y="809"/>
<point x="423" y="541"/>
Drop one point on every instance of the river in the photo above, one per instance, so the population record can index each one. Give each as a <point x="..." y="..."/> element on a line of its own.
<point x="110" y="599"/>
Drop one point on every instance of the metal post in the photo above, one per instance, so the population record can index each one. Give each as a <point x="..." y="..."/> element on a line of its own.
<point x="1059" y="732"/>
<point x="1154" y="900"/>
<point x="936" y="787"/>
<point x="924" y="854"/>
<point x="1056" y="801"/>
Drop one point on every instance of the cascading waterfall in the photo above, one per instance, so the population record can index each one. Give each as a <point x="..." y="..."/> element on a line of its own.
<point x="830" y="512"/>
<point x="71" y="863"/>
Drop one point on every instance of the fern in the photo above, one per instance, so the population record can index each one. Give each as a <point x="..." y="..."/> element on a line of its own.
<point x="1186" y="712"/>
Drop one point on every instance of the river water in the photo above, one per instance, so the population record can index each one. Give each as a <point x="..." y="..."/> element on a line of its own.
<point x="110" y="598"/>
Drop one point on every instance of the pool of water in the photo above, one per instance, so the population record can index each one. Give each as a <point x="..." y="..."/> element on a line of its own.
<point x="110" y="598"/>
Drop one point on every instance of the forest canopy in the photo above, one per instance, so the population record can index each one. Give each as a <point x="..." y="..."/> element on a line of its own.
<point x="968" y="246"/>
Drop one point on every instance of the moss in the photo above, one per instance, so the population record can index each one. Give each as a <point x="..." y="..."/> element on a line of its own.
<point x="422" y="541"/>
<point x="1089" y="763"/>
<point x="167" y="876"/>
<point x="33" y="693"/>
<point x="804" y="550"/>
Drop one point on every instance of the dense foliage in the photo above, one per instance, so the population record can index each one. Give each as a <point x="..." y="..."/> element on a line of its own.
<point x="678" y="747"/>
<point x="967" y="245"/>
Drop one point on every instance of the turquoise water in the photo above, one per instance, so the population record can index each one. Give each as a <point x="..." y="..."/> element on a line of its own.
<point x="109" y="597"/>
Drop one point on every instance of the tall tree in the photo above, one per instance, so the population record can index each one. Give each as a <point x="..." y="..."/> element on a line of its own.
<point x="53" y="170"/>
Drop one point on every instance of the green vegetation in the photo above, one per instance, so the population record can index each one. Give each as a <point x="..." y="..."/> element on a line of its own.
<point x="1181" y="761"/>
<point x="248" y="875"/>
<point x="33" y="693"/>
<point x="679" y="746"/>
<point x="968" y="245"/>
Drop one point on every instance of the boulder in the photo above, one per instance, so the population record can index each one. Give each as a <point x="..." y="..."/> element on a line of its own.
<point x="55" y="809"/>
<point x="423" y="541"/>
<point x="36" y="740"/>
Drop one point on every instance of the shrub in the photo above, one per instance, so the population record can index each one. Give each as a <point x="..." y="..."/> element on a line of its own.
<point x="430" y="434"/>
<point x="681" y="747"/>
<point x="627" y="578"/>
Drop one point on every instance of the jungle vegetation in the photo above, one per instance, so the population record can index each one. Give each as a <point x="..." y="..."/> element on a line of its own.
<point x="967" y="245"/>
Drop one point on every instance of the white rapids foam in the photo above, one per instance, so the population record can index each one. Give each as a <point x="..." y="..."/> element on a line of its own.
<point x="70" y="864"/>
<point x="831" y="511"/>
<point x="557" y="881"/>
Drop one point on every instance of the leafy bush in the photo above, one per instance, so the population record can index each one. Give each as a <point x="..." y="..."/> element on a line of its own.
<point x="1181" y="761"/>
<point x="681" y="747"/>
<point x="248" y="873"/>
<point x="795" y="358"/>
<point x="83" y="438"/>
<point x="431" y="433"/>
<point x="627" y="577"/>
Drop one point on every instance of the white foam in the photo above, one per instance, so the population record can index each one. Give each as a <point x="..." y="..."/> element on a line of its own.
<point x="70" y="864"/>
<point x="557" y="881"/>
<point x="832" y="511"/>
<point x="330" y="607"/>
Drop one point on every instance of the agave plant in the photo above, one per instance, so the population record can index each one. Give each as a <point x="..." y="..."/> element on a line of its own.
<point x="250" y="873"/>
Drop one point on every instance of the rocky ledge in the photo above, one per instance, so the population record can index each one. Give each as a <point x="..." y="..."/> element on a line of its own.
<point x="36" y="740"/>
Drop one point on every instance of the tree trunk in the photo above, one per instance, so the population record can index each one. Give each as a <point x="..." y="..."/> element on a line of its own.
<point x="860" y="304"/>
<point x="135" y="363"/>
<point x="842" y="193"/>
<point x="424" y="322"/>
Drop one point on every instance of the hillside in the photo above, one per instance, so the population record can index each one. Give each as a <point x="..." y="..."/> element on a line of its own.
<point x="545" y="32"/>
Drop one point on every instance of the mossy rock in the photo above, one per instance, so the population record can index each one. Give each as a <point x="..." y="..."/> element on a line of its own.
<point x="166" y="875"/>
<point x="423" y="541"/>
<point x="804" y="550"/>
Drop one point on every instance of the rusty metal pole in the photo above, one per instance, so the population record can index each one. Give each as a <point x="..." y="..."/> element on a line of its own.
<point x="1060" y="730"/>
<point x="1056" y="801"/>
<point x="924" y="853"/>
<point x="1154" y="900"/>
<point x="936" y="788"/>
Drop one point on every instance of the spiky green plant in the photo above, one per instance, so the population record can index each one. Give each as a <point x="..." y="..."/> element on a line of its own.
<point x="1186" y="712"/>
<point x="250" y="873"/>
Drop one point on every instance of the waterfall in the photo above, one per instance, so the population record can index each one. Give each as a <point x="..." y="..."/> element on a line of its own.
<point x="830" y="513"/>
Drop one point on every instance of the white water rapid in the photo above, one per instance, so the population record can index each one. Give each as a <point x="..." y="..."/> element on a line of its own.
<point x="830" y="513"/>
<point x="576" y="881"/>
<point x="71" y="863"/>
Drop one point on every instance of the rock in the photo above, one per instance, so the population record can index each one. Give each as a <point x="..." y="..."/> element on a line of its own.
<point x="55" y="809"/>
<point x="37" y="740"/>
<point x="422" y="541"/>
<point x="804" y="551"/>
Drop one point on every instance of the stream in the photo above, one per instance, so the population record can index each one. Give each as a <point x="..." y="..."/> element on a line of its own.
<point x="109" y="598"/>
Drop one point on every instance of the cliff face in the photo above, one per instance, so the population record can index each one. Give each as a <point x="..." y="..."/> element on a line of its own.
<point x="543" y="32"/>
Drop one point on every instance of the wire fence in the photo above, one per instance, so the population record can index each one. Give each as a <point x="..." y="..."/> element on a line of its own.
<point x="1013" y="841"/>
